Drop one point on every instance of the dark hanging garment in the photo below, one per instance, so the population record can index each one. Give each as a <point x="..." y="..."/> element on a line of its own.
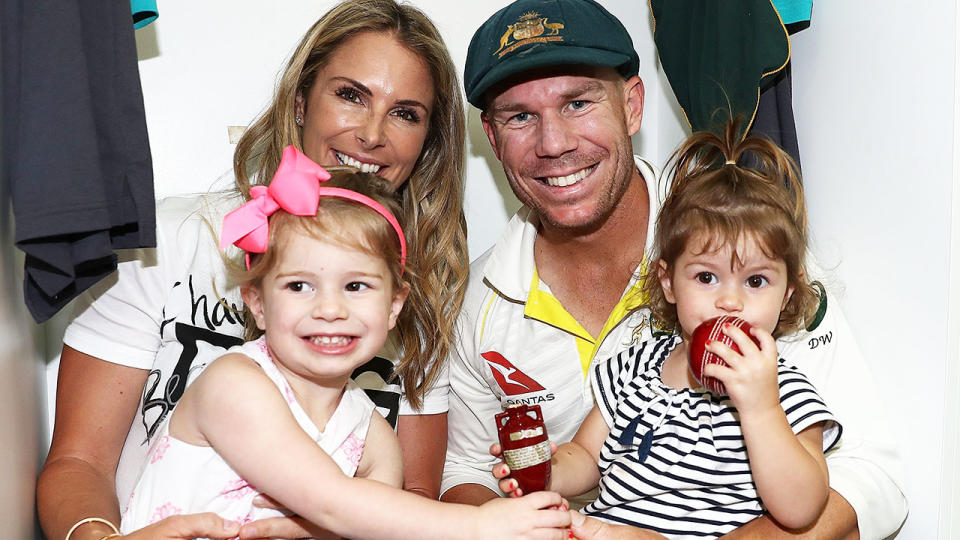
<point x="75" y="151"/>
<point x="775" y="110"/>
<point x="726" y="59"/>
<point x="774" y="118"/>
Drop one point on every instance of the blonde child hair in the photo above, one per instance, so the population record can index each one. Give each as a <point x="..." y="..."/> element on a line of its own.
<point x="339" y="221"/>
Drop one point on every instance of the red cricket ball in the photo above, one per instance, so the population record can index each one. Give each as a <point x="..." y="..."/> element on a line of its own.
<point x="712" y="330"/>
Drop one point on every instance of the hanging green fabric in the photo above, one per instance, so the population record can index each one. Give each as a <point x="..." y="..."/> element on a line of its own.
<point x="717" y="55"/>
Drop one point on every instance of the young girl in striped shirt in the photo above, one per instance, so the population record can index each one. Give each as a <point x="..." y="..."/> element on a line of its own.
<point x="669" y="455"/>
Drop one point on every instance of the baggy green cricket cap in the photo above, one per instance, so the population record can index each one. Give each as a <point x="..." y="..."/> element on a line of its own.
<point x="530" y="34"/>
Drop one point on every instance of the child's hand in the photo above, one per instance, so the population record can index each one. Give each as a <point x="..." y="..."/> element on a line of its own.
<point x="541" y="515"/>
<point x="751" y="378"/>
<point x="501" y="471"/>
<point x="287" y="526"/>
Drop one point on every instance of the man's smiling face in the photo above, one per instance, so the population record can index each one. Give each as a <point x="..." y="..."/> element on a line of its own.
<point x="563" y="137"/>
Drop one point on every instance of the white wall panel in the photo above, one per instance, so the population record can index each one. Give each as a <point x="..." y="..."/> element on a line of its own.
<point x="874" y="98"/>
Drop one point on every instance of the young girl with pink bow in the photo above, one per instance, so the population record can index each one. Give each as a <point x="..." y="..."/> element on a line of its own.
<point x="323" y="283"/>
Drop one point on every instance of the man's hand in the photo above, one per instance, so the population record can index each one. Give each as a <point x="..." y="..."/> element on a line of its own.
<point x="587" y="528"/>
<point x="838" y="521"/>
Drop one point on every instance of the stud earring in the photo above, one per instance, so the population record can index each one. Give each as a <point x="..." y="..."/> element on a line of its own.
<point x="299" y="120"/>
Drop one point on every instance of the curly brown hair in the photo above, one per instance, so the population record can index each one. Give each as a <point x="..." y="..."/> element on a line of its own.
<point x="714" y="198"/>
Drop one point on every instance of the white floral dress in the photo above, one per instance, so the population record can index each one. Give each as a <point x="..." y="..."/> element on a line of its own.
<point x="181" y="478"/>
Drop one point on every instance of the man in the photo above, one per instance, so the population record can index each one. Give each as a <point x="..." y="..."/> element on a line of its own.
<point x="557" y="83"/>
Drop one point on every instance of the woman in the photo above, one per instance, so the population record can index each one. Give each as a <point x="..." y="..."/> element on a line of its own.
<point x="371" y="85"/>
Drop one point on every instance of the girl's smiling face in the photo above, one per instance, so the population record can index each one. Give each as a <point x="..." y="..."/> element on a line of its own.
<point x="705" y="284"/>
<point x="369" y="107"/>
<point x="325" y="309"/>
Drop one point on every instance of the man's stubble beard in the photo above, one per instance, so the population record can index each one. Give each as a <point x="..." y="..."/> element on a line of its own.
<point x="606" y="206"/>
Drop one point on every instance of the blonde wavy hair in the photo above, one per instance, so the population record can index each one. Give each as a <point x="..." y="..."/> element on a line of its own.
<point x="714" y="199"/>
<point x="431" y="199"/>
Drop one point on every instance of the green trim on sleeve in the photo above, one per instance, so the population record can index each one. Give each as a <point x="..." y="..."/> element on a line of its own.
<point x="821" y="309"/>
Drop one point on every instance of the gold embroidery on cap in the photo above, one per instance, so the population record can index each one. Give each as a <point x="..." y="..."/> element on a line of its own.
<point x="529" y="28"/>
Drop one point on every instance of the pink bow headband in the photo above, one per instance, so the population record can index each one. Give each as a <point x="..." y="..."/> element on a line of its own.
<point x="295" y="188"/>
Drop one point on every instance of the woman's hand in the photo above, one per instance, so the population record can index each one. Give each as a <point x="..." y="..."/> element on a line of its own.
<point x="187" y="527"/>
<point x="501" y="471"/>
<point x="588" y="528"/>
<point x="281" y="527"/>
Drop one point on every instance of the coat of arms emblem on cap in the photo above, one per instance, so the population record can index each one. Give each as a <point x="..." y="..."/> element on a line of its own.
<point x="529" y="28"/>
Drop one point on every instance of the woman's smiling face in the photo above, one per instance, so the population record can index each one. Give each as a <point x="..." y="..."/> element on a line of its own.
<point x="369" y="107"/>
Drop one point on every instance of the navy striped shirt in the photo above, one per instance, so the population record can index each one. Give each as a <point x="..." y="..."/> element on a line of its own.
<point x="695" y="481"/>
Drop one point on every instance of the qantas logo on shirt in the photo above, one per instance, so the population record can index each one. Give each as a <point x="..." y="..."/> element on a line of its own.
<point x="511" y="380"/>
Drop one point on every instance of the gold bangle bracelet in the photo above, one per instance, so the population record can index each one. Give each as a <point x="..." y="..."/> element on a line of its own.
<point x="84" y="521"/>
<point x="111" y="535"/>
